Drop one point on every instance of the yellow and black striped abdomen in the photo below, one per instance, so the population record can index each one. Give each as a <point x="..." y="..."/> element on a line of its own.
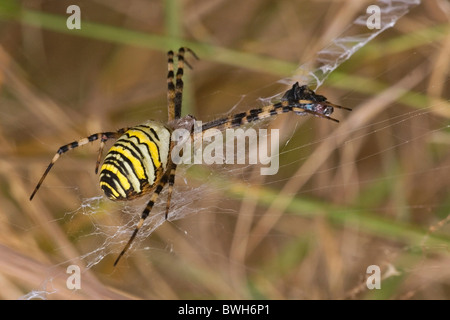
<point x="134" y="162"/>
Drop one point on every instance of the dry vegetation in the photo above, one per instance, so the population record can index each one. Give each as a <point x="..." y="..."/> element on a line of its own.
<point x="373" y="189"/>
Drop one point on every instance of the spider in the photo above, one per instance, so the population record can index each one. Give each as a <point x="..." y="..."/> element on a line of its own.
<point x="139" y="163"/>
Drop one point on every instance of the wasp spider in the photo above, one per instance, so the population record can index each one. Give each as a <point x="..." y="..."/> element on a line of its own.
<point x="139" y="162"/>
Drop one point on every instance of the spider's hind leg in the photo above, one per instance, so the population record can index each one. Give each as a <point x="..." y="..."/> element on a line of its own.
<point x="172" y="172"/>
<point x="148" y="208"/>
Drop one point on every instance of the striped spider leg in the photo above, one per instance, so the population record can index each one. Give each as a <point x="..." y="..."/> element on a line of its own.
<point x="103" y="136"/>
<point x="299" y="99"/>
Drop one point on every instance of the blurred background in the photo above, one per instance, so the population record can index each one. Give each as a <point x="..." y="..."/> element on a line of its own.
<point x="371" y="190"/>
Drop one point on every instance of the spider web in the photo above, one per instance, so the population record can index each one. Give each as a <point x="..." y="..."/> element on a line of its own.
<point x="111" y="236"/>
<point x="343" y="47"/>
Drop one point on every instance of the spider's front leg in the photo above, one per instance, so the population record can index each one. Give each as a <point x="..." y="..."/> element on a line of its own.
<point x="299" y="99"/>
<point x="102" y="136"/>
<point x="167" y="177"/>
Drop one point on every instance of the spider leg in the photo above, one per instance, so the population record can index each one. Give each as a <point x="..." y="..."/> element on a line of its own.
<point x="170" y="87"/>
<point x="179" y="84"/>
<point x="175" y="91"/>
<point x="172" y="168"/>
<point x="172" y="171"/>
<point x="299" y="100"/>
<point x="252" y="115"/>
<point x="179" y="79"/>
<point x="103" y="136"/>
<point x="162" y="182"/>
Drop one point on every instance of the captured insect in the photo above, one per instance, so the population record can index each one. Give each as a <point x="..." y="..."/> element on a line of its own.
<point x="140" y="163"/>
